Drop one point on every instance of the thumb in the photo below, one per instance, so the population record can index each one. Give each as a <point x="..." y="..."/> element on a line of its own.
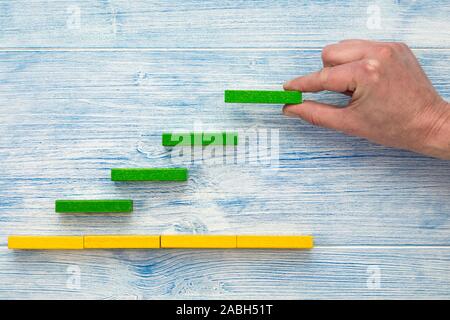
<point x="320" y="114"/>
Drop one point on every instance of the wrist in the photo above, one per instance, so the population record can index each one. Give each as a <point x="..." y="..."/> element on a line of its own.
<point x="437" y="135"/>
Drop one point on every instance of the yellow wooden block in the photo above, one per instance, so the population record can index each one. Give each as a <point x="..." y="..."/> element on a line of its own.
<point x="45" y="242"/>
<point x="274" y="242"/>
<point x="121" y="242"/>
<point x="198" y="241"/>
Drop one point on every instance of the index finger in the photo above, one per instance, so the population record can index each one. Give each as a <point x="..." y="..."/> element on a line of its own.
<point x="341" y="78"/>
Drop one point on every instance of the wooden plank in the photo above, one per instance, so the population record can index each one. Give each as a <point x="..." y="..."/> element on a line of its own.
<point x="141" y="85"/>
<point x="220" y="23"/>
<point x="108" y="109"/>
<point x="372" y="273"/>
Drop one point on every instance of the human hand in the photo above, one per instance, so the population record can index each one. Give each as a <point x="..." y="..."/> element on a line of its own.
<point x="393" y="102"/>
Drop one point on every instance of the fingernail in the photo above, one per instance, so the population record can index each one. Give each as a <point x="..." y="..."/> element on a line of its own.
<point x="287" y="84"/>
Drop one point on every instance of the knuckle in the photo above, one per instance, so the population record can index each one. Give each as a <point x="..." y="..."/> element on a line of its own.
<point x="385" y="51"/>
<point x="315" y="120"/>
<point x="371" y="69"/>
<point x="389" y="49"/>
<point x="324" y="76"/>
<point x="327" y="52"/>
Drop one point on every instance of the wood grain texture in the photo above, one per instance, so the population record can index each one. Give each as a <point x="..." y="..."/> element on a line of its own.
<point x="81" y="98"/>
<point x="320" y="273"/>
<point x="71" y="116"/>
<point x="220" y="23"/>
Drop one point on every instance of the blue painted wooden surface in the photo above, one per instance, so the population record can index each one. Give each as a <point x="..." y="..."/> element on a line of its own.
<point x="78" y="99"/>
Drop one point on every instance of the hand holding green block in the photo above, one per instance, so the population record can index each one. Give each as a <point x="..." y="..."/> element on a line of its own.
<point x="258" y="96"/>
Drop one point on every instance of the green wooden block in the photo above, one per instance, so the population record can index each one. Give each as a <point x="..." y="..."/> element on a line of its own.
<point x="256" y="96"/>
<point x="149" y="174"/>
<point x="93" y="206"/>
<point x="199" y="139"/>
